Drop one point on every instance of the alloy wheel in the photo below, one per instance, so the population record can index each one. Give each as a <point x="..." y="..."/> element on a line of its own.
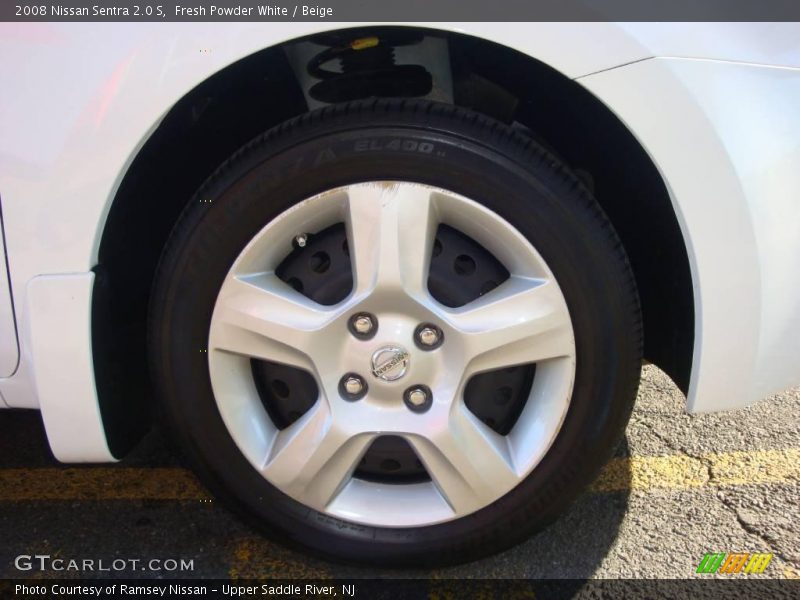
<point x="418" y="372"/>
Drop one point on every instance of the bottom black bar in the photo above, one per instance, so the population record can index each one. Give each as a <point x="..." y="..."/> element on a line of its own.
<point x="428" y="589"/>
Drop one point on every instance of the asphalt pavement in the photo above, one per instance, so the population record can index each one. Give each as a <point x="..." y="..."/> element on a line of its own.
<point x="680" y="486"/>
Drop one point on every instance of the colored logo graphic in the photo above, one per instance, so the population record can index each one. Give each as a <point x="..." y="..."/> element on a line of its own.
<point x="735" y="562"/>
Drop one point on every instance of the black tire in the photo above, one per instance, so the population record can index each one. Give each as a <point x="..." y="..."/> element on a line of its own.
<point x="474" y="156"/>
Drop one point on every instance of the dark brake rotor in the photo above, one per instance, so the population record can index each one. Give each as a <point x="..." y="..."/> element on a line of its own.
<point x="461" y="270"/>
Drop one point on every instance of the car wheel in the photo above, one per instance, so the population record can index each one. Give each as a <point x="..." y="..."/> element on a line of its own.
<point x="396" y="332"/>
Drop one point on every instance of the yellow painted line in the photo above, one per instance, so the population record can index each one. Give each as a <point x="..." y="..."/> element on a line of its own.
<point x="684" y="472"/>
<point x="646" y="472"/>
<point x="739" y="468"/>
<point x="633" y="473"/>
<point x="100" y="483"/>
<point x="256" y="558"/>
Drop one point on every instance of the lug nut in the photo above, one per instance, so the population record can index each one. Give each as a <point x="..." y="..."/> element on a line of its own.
<point x="428" y="336"/>
<point x="352" y="387"/>
<point x="301" y="240"/>
<point x="418" y="398"/>
<point x="364" y="326"/>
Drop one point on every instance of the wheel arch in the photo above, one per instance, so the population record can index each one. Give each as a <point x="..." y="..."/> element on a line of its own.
<point x="255" y="93"/>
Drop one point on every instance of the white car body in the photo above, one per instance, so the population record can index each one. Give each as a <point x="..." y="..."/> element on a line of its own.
<point x="715" y="106"/>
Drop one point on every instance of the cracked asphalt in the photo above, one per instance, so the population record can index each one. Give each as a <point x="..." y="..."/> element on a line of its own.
<point x="680" y="486"/>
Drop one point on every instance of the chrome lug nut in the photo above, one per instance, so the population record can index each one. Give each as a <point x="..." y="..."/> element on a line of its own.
<point x="364" y="326"/>
<point x="418" y="398"/>
<point x="352" y="387"/>
<point x="428" y="336"/>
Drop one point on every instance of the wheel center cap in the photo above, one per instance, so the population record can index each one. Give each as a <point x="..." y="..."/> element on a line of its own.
<point x="390" y="363"/>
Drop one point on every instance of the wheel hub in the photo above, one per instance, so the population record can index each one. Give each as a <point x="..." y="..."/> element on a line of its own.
<point x="390" y="458"/>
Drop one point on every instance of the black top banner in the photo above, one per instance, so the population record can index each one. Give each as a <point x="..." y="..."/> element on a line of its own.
<point x="401" y="11"/>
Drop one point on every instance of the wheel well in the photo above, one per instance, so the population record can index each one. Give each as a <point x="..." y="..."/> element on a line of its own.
<point x="227" y="110"/>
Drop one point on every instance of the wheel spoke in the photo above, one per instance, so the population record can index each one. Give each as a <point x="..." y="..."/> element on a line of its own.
<point x="522" y="321"/>
<point x="313" y="459"/>
<point x="468" y="462"/>
<point x="391" y="230"/>
<point x="262" y="317"/>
